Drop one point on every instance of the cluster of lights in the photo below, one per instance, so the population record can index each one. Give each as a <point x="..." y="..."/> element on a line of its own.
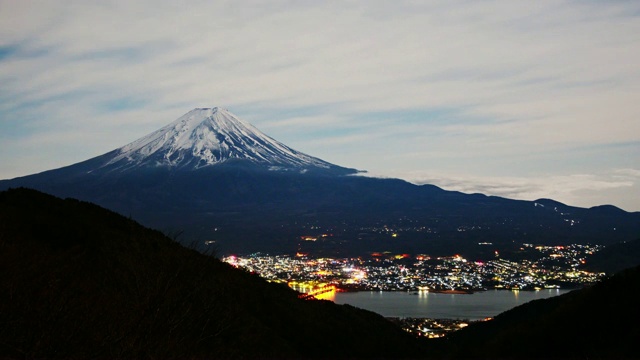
<point x="432" y="328"/>
<point x="388" y="272"/>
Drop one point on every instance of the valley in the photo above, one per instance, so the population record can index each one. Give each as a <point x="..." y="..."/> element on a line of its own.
<point x="212" y="185"/>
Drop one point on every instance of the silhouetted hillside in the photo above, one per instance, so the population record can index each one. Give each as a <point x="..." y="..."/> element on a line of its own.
<point x="79" y="281"/>
<point x="599" y="322"/>
<point x="616" y="257"/>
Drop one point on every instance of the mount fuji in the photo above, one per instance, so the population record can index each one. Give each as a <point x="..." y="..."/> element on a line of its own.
<point x="206" y="137"/>
<point x="216" y="179"/>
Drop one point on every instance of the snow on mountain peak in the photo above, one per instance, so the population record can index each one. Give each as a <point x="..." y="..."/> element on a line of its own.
<point x="209" y="136"/>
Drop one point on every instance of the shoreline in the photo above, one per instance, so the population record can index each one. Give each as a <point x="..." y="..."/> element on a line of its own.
<point x="454" y="291"/>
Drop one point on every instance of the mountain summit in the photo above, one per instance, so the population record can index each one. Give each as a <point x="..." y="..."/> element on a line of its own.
<point x="222" y="181"/>
<point x="211" y="136"/>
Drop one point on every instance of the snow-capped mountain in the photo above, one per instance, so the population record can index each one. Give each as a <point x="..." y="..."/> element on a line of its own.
<point x="210" y="136"/>
<point x="220" y="179"/>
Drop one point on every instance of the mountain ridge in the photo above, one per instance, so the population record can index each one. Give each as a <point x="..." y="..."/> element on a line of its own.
<point x="263" y="196"/>
<point x="78" y="281"/>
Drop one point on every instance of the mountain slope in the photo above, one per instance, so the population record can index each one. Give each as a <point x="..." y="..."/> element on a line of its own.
<point x="616" y="257"/>
<point x="209" y="136"/>
<point x="78" y="281"/>
<point x="592" y="323"/>
<point x="216" y="178"/>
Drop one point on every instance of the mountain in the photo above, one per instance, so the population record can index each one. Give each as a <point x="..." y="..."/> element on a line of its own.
<point x="207" y="137"/>
<point x="616" y="257"/>
<point x="218" y="180"/>
<point x="78" y="282"/>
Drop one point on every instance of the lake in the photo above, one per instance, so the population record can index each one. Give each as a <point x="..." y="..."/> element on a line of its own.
<point x="474" y="306"/>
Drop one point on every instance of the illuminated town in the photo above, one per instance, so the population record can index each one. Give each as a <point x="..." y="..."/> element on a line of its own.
<point x="552" y="267"/>
<point x="555" y="267"/>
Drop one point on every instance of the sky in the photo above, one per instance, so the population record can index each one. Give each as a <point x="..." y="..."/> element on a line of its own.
<point x="520" y="99"/>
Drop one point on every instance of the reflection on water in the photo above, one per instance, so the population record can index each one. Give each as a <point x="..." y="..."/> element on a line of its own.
<point x="314" y="289"/>
<point x="425" y="304"/>
<point x="327" y="296"/>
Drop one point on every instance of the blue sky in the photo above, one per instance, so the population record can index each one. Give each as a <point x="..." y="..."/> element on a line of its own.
<point x="520" y="99"/>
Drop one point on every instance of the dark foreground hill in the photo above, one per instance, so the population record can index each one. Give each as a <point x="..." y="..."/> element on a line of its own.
<point x="79" y="281"/>
<point x="600" y="322"/>
<point x="616" y="257"/>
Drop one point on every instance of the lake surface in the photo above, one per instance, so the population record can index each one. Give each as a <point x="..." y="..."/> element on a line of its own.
<point x="474" y="306"/>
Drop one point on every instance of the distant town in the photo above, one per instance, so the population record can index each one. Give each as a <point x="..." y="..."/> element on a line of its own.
<point x="551" y="267"/>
